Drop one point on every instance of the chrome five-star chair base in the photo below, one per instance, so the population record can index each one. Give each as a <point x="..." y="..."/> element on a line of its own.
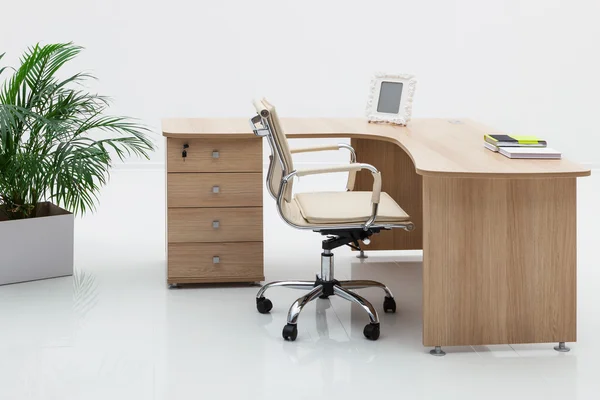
<point x="326" y="285"/>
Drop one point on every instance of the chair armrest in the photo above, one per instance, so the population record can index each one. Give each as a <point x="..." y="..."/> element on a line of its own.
<point x="314" y="148"/>
<point x="325" y="147"/>
<point x="285" y="195"/>
<point x="340" y="146"/>
<point x="352" y="168"/>
<point x="329" y="170"/>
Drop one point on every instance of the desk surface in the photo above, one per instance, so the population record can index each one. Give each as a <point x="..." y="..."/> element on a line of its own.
<point x="437" y="147"/>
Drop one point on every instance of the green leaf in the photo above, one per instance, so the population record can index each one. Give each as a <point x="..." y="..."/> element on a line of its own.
<point x="3" y="68"/>
<point x="46" y="151"/>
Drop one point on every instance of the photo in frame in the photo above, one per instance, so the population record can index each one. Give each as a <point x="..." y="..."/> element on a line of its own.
<point x="391" y="97"/>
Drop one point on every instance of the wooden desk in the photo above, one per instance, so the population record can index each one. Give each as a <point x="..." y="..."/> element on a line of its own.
<point x="498" y="235"/>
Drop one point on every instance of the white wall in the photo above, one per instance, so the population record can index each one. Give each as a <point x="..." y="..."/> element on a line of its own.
<point x="529" y="66"/>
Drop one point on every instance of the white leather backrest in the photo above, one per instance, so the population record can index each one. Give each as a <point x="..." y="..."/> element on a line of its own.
<point x="281" y="156"/>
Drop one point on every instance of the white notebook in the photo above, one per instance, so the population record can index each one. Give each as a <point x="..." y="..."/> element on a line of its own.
<point x="544" y="153"/>
<point x="490" y="146"/>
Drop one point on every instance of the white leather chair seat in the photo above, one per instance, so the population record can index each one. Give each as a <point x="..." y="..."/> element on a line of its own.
<point x="347" y="207"/>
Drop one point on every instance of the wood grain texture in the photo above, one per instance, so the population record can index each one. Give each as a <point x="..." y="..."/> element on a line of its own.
<point x="203" y="128"/>
<point x="244" y="155"/>
<point x="401" y="182"/>
<point x="499" y="261"/>
<point x="234" y="224"/>
<point x="239" y="262"/>
<point x="220" y="280"/>
<point x="437" y="147"/>
<point x="196" y="190"/>
<point x="193" y="206"/>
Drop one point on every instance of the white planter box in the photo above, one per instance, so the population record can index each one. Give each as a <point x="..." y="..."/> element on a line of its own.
<point x="37" y="248"/>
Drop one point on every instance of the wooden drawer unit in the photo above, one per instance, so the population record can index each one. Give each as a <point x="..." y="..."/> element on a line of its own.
<point x="214" y="189"/>
<point x="215" y="224"/>
<point x="214" y="155"/>
<point x="216" y="262"/>
<point x="214" y="208"/>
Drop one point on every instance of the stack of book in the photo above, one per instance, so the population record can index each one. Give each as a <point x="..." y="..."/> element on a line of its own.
<point x="517" y="146"/>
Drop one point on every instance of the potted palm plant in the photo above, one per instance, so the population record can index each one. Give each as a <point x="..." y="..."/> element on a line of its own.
<point x="56" y="148"/>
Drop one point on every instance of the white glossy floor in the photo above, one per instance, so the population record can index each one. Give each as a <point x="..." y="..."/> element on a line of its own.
<point x="114" y="331"/>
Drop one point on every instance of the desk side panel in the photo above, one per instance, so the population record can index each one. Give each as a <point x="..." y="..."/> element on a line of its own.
<point x="499" y="261"/>
<point x="401" y="181"/>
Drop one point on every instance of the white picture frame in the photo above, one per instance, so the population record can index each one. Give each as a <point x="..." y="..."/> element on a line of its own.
<point x="393" y="111"/>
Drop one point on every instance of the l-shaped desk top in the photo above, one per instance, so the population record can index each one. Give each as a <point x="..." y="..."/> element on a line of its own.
<point x="437" y="147"/>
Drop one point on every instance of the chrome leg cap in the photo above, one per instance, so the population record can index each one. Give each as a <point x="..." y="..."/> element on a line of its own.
<point x="438" y="352"/>
<point x="562" y="348"/>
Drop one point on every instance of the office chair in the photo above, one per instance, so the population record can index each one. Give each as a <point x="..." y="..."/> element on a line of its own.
<point x="345" y="218"/>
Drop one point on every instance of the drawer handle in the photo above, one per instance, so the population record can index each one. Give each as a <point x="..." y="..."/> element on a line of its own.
<point x="216" y="259"/>
<point x="215" y="154"/>
<point x="216" y="189"/>
<point x="216" y="224"/>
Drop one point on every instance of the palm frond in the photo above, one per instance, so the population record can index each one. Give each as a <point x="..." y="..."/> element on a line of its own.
<point x="3" y="68"/>
<point x="46" y="152"/>
<point x="47" y="61"/>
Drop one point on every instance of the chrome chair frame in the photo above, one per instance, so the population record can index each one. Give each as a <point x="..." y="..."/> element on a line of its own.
<point x="325" y="285"/>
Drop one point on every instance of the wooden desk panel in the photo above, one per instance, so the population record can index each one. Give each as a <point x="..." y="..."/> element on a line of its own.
<point x="499" y="261"/>
<point x="401" y="181"/>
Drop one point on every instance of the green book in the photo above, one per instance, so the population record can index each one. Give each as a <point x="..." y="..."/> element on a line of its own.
<point x="501" y="140"/>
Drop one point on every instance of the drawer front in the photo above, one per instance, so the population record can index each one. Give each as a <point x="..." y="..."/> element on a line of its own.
<point x="205" y="261"/>
<point x="214" y="190"/>
<point x="215" y="224"/>
<point x="214" y="155"/>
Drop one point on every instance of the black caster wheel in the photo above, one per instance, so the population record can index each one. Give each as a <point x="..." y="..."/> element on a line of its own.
<point x="290" y="332"/>
<point x="389" y="305"/>
<point x="371" y="331"/>
<point x="263" y="305"/>
<point x="324" y="296"/>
